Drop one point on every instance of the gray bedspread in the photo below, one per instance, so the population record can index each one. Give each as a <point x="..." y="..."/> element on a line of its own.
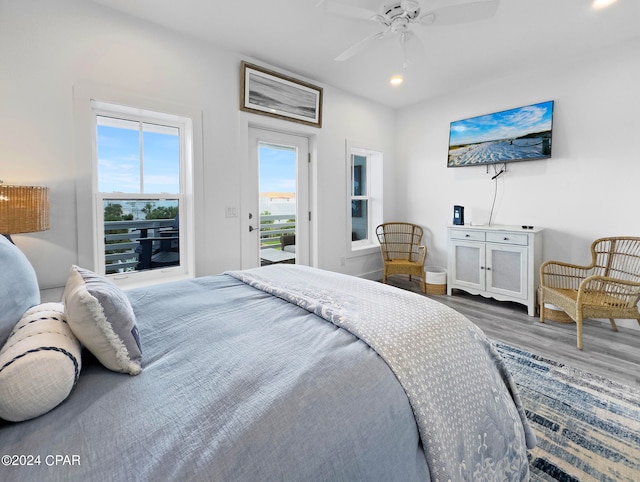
<point x="466" y="404"/>
<point x="237" y="385"/>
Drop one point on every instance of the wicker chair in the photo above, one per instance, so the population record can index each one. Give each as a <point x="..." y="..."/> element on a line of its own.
<point x="288" y="242"/>
<point x="608" y="288"/>
<point x="401" y="250"/>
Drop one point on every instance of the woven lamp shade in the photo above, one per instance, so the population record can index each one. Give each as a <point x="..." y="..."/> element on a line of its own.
<point x="23" y="209"/>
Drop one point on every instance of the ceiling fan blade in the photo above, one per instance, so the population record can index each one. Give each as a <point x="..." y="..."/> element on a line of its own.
<point x="412" y="48"/>
<point x="410" y="6"/>
<point x="344" y="10"/>
<point x="461" y="13"/>
<point x="360" y="46"/>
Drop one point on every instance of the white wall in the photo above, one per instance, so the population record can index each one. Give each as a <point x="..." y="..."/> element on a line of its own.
<point x="48" y="47"/>
<point x="589" y="188"/>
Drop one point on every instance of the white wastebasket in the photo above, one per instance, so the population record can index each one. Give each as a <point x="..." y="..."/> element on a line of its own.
<point x="436" y="280"/>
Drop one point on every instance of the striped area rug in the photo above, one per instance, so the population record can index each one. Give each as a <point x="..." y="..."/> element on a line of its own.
<point x="588" y="428"/>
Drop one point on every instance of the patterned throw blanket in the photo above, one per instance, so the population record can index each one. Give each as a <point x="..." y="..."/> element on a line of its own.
<point x="471" y="421"/>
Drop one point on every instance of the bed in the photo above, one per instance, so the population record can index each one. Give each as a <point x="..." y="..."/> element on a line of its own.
<point x="281" y="373"/>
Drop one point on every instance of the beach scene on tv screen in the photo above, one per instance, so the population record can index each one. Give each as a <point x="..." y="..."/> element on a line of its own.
<point x="517" y="134"/>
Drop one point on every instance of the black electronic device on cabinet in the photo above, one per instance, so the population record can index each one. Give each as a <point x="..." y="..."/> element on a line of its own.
<point x="458" y="215"/>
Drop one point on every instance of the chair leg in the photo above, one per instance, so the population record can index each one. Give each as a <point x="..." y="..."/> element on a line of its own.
<point x="613" y="324"/>
<point x="541" y="304"/>
<point x="579" y="331"/>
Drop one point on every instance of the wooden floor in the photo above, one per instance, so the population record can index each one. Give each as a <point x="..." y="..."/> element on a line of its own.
<point x="613" y="355"/>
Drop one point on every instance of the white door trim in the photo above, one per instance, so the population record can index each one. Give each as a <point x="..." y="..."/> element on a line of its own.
<point x="250" y="197"/>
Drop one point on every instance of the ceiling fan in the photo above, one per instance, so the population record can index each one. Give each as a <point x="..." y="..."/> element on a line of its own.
<point x="397" y="19"/>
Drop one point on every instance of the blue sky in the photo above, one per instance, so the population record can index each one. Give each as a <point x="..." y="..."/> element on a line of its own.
<point x="502" y="125"/>
<point x="119" y="161"/>
<point x="277" y="169"/>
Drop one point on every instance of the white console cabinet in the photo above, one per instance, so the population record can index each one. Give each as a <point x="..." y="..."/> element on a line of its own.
<point x="501" y="262"/>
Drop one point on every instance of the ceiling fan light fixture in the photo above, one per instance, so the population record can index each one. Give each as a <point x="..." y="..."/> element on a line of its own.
<point x="396" y="80"/>
<point x="602" y="3"/>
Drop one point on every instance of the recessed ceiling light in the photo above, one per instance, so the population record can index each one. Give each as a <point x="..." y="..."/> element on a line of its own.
<point x="602" y="3"/>
<point x="396" y="80"/>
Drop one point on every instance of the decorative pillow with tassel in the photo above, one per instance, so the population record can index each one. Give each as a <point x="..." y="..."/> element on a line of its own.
<point x="101" y="317"/>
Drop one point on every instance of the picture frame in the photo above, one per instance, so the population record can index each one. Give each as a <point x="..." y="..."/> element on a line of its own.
<point x="270" y="93"/>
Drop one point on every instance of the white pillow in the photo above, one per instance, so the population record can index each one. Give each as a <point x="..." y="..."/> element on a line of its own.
<point x="101" y="316"/>
<point x="39" y="364"/>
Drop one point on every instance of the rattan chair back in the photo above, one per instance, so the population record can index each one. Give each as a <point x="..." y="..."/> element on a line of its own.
<point x="399" y="240"/>
<point x="607" y="288"/>
<point x="617" y="258"/>
<point x="401" y="250"/>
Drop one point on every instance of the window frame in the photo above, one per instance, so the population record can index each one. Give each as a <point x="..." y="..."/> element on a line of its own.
<point x="373" y="196"/>
<point x="144" y="116"/>
<point x="85" y="97"/>
<point x="361" y="197"/>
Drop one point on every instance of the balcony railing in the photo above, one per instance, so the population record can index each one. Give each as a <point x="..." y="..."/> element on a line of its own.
<point x="273" y="226"/>
<point x="122" y="250"/>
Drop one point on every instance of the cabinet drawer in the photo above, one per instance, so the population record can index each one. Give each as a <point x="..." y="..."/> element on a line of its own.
<point x="468" y="234"/>
<point x="508" y="238"/>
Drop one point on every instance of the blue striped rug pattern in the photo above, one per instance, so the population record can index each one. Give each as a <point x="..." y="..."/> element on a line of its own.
<point x="588" y="427"/>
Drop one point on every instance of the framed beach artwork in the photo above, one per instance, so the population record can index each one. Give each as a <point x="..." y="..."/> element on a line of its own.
<point x="269" y="93"/>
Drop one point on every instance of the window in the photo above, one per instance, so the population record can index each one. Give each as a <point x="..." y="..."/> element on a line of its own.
<point x="365" y="185"/>
<point x="142" y="160"/>
<point x="359" y="197"/>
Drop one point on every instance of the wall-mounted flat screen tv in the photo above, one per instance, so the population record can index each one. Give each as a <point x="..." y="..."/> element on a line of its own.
<point x="521" y="134"/>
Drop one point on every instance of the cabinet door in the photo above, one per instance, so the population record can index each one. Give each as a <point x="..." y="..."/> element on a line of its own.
<point x="507" y="270"/>
<point x="467" y="264"/>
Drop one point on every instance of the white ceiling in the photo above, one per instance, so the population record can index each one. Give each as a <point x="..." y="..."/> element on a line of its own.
<point x="300" y="37"/>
